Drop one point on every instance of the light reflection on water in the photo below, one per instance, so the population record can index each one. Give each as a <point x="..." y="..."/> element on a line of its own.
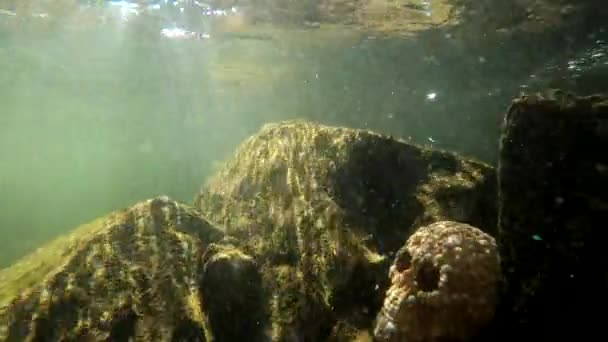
<point x="113" y="102"/>
<point x="104" y="104"/>
<point x="585" y="72"/>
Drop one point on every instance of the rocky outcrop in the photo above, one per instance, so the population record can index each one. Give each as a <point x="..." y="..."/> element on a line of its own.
<point x="324" y="210"/>
<point x="314" y="215"/>
<point x="552" y="215"/>
<point x="139" y="273"/>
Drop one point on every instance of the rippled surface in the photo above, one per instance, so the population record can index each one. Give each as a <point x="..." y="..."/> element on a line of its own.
<point x="586" y="72"/>
<point x="108" y="102"/>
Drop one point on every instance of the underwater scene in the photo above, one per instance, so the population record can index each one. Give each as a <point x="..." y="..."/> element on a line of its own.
<point x="303" y="170"/>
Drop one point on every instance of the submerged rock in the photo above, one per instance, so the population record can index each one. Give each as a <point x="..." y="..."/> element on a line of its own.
<point x="553" y="211"/>
<point x="444" y="285"/>
<point x="324" y="209"/>
<point x="134" y="274"/>
<point x="311" y="217"/>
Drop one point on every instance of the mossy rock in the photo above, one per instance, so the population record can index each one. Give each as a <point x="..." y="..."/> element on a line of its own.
<point x="314" y="215"/>
<point x="323" y="210"/>
<point x="553" y="213"/>
<point x="134" y="274"/>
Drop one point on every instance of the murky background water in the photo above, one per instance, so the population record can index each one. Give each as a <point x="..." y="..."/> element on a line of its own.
<point x="105" y="103"/>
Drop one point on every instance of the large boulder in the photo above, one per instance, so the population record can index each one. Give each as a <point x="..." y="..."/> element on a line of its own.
<point x="552" y="215"/>
<point x="152" y="272"/>
<point x="324" y="210"/>
<point x="315" y="215"/>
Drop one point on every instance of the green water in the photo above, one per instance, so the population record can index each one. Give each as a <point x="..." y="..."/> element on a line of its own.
<point x="100" y="110"/>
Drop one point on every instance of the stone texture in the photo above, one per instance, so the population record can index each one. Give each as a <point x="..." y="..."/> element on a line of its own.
<point x="324" y="209"/>
<point x="134" y="274"/>
<point x="552" y="214"/>
<point x="309" y="219"/>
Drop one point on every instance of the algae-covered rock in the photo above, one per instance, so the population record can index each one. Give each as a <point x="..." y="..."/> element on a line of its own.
<point x="323" y="210"/>
<point x="553" y="211"/>
<point x="134" y="274"/>
<point x="233" y="298"/>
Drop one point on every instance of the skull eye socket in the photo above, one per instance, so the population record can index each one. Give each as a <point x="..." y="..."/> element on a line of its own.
<point x="403" y="260"/>
<point x="427" y="277"/>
